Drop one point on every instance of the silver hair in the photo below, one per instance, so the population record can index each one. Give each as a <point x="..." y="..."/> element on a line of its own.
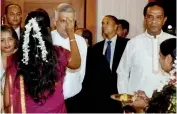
<point x="64" y="7"/>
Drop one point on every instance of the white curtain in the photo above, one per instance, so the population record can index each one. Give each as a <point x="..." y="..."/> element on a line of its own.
<point x="130" y="10"/>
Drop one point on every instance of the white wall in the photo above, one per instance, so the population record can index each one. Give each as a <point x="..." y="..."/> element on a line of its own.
<point x="131" y="10"/>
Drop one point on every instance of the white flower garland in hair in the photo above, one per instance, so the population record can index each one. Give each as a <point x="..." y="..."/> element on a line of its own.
<point x="174" y="66"/>
<point x="37" y="34"/>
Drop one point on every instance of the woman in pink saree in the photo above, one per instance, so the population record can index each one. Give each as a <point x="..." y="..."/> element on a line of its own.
<point x="36" y="71"/>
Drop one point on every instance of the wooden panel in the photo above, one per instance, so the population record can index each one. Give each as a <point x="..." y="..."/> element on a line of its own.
<point x="91" y="17"/>
<point x="2" y="8"/>
<point x="78" y="5"/>
<point x="47" y="1"/>
<point x="49" y="6"/>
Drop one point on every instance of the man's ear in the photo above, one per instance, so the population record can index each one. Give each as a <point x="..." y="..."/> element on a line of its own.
<point x="125" y="31"/>
<point x="145" y="22"/>
<point x="116" y="27"/>
<point x="5" y="18"/>
<point x="55" y="23"/>
<point x="165" y="19"/>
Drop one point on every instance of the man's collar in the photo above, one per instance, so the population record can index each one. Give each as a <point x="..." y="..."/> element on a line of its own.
<point x="150" y="36"/>
<point x="112" y="39"/>
<point x="18" y="28"/>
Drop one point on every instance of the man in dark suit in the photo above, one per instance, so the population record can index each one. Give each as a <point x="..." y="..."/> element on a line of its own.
<point x="117" y="46"/>
<point x="101" y="79"/>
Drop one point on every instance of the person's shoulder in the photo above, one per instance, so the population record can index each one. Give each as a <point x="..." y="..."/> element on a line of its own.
<point x="136" y="40"/>
<point x="127" y="39"/>
<point x="101" y="42"/>
<point x="59" y="50"/>
<point x="98" y="44"/>
<point x="81" y="41"/>
<point x="13" y="59"/>
<point x="53" y="32"/>
<point x="169" y="35"/>
<point x="79" y="38"/>
<point x="138" y="37"/>
<point x="123" y="39"/>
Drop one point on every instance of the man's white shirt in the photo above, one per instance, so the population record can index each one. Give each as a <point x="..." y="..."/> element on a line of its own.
<point x="135" y="68"/>
<point x="17" y="30"/>
<point x="73" y="79"/>
<point x="113" y="45"/>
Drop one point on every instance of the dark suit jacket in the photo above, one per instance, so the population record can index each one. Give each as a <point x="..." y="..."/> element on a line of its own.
<point x="100" y="82"/>
<point x="119" y="49"/>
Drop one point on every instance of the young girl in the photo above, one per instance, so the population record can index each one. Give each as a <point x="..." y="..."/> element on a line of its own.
<point x="36" y="73"/>
<point x="164" y="98"/>
<point x="9" y="44"/>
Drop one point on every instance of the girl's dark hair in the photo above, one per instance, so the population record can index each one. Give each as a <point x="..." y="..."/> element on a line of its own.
<point x="169" y="47"/>
<point x="39" y="76"/>
<point x="86" y="34"/>
<point x="5" y="28"/>
<point x="161" y="101"/>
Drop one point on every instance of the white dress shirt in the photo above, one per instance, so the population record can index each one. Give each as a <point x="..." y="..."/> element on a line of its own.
<point x="73" y="80"/>
<point x="135" y="68"/>
<point x="113" y="44"/>
<point x="17" y="30"/>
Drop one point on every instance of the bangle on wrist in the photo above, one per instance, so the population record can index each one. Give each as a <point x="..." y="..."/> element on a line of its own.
<point x="72" y="40"/>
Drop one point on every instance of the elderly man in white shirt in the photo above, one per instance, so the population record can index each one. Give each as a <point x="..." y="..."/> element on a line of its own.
<point x="139" y="67"/>
<point x="74" y="78"/>
<point x="13" y="15"/>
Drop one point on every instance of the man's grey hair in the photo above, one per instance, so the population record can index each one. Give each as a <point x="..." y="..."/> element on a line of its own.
<point x="64" y="7"/>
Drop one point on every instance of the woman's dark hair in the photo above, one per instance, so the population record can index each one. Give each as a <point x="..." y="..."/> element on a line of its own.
<point x="86" y="34"/>
<point x="169" y="47"/>
<point x="161" y="101"/>
<point x="151" y="4"/>
<point x="39" y="75"/>
<point x="45" y="15"/>
<point x="5" y="28"/>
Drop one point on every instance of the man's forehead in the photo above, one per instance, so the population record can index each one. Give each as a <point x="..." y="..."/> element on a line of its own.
<point x="14" y="8"/>
<point x="155" y="13"/>
<point x="66" y="14"/>
<point x="156" y="10"/>
<point x="107" y="19"/>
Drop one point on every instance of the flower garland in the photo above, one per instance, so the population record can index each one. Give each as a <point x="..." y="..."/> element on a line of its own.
<point x="171" y="78"/>
<point x="37" y="34"/>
